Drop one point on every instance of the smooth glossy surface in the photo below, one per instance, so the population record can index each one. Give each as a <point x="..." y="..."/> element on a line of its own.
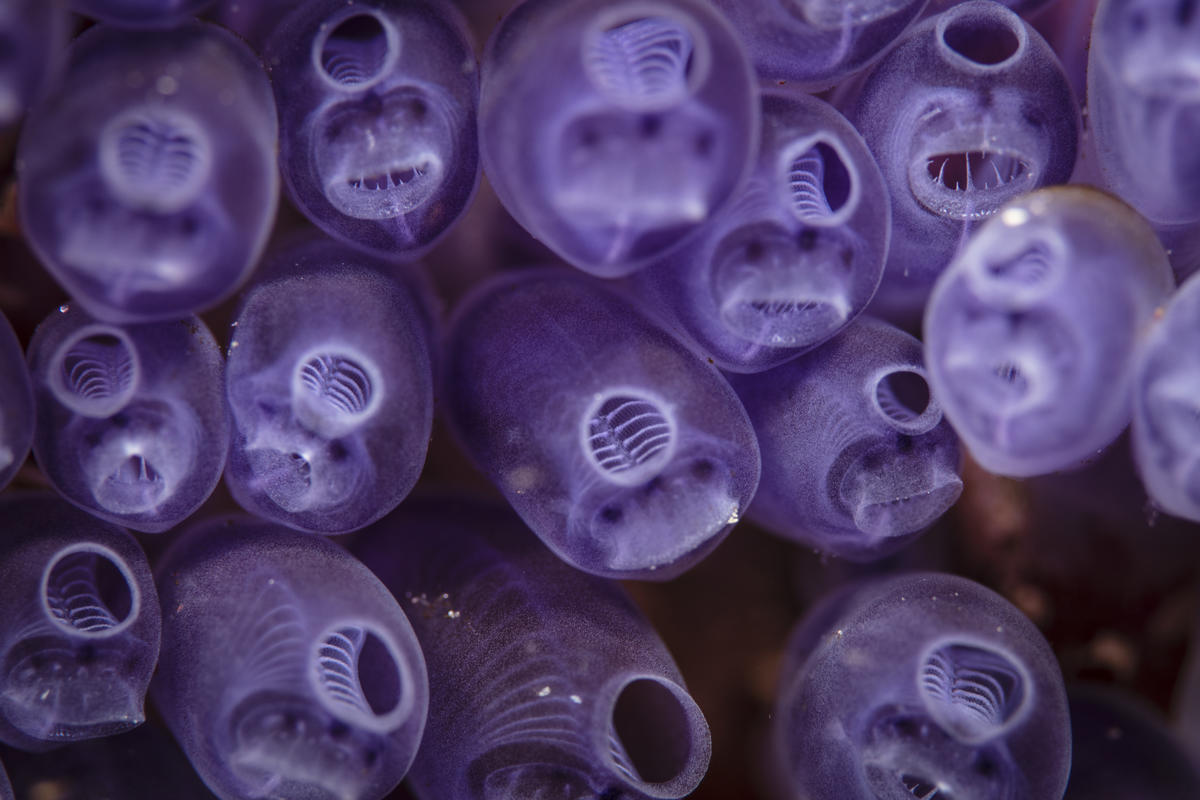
<point x="132" y="425"/>
<point x="80" y="631"/>
<point x="795" y="256"/>
<point x="1144" y="104"/>
<point x="544" y="681"/>
<point x="16" y="405"/>
<point x="970" y="110"/>
<point x="612" y="131"/>
<point x="1030" y="335"/>
<point x="629" y="456"/>
<point x="331" y="391"/>
<point x="287" y="670"/>
<point x="377" y="103"/>
<point x="857" y="459"/>
<point x="147" y="179"/>
<point x="922" y="685"/>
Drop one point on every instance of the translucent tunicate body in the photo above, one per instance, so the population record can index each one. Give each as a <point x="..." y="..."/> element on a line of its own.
<point x="544" y="681"/>
<point x="922" y="686"/>
<point x="132" y="425"/>
<point x="1144" y="104"/>
<point x="797" y="253"/>
<point x="16" y="404"/>
<point x="287" y="668"/>
<point x="1166" y="406"/>
<point x="331" y="391"/>
<point x="147" y="179"/>
<point x="629" y="456"/>
<point x="80" y="630"/>
<point x="813" y="44"/>
<point x="140" y="13"/>
<point x="857" y="459"/>
<point x="611" y="131"/>
<point x="33" y="35"/>
<point x="970" y="110"/>
<point x="377" y="102"/>
<point x="1031" y="332"/>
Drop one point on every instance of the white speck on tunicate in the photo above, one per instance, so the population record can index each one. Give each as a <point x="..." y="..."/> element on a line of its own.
<point x="1014" y="217"/>
<point x="544" y="691"/>
<point x="64" y="308"/>
<point x="576" y="699"/>
<point x="453" y="614"/>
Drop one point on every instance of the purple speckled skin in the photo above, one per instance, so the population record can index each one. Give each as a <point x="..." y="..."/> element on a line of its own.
<point x="794" y="257"/>
<point x="140" y="13"/>
<point x="331" y="391"/>
<point x="611" y="131"/>
<point x="857" y="459"/>
<point x="16" y="404"/>
<point x="80" y="631"/>
<point x="33" y="36"/>
<point x="544" y="681"/>
<point x="970" y="110"/>
<point x="1030" y="334"/>
<point x="629" y="456"/>
<point x="1166" y="400"/>
<point x="150" y="197"/>
<point x="132" y="425"/>
<point x="813" y="44"/>
<point x="919" y="685"/>
<point x="1144" y="105"/>
<point x="377" y="107"/>
<point x="287" y="669"/>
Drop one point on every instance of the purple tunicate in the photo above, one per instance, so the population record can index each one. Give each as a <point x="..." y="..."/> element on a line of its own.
<point x="796" y="254"/>
<point x="1031" y="333"/>
<point x="377" y="103"/>
<point x="33" y="35"/>
<point x="147" y="179"/>
<point x="922" y="686"/>
<point x="813" y="44"/>
<point x="16" y="404"/>
<point x="132" y="425"/>
<point x="857" y="459"/>
<point x="970" y="110"/>
<point x="331" y="391"/>
<point x="544" y="681"/>
<point x="140" y="13"/>
<point x="628" y="455"/>
<point x="1166" y="406"/>
<point x="1144" y="104"/>
<point x="80" y="630"/>
<point x="287" y="668"/>
<point x="613" y="130"/>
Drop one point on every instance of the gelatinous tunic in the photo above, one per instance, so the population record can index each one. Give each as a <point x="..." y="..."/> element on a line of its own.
<point x="79" y="625"/>
<point x="148" y="182"/>
<point x="922" y="686"/>
<point x="857" y="459"/>
<point x="613" y="130"/>
<point x="288" y="670"/>
<point x="544" y="681"/>
<point x="1031" y="332"/>
<point x="132" y="424"/>
<point x="629" y="456"/>
<point x="16" y="404"/>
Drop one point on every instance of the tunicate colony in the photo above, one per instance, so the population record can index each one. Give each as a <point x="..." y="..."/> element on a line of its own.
<point x="358" y="348"/>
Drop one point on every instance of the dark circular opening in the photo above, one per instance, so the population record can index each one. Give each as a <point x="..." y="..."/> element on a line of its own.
<point x="355" y="51"/>
<point x="379" y="675"/>
<point x="87" y="592"/>
<point x="98" y="368"/>
<point x="356" y="669"/>
<point x="651" y="727"/>
<point x="984" y="39"/>
<point x="903" y="395"/>
<point x="820" y="182"/>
